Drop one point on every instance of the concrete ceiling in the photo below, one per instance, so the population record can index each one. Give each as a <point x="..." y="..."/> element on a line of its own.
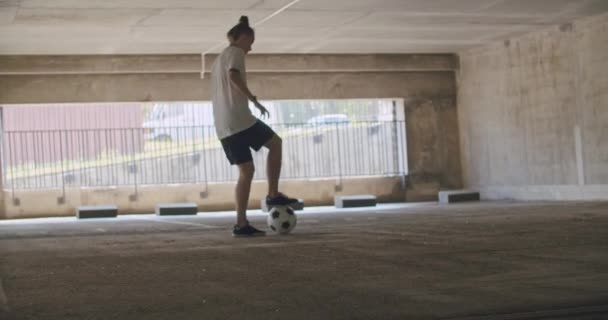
<point x="308" y="26"/>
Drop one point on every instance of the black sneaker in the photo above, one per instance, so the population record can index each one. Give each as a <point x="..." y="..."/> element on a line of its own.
<point x="280" y="200"/>
<point x="247" y="231"/>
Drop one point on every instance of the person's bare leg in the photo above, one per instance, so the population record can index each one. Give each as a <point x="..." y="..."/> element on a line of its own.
<point x="273" y="164"/>
<point x="243" y="187"/>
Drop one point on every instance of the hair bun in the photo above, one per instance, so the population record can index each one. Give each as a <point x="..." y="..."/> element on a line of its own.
<point x="244" y="20"/>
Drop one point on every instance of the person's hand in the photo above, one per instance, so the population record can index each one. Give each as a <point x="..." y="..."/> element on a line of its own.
<point x="263" y="110"/>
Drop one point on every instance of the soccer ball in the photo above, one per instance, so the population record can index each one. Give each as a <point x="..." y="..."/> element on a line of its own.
<point x="281" y="219"/>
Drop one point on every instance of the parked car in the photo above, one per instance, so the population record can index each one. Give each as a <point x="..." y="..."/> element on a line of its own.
<point x="178" y="121"/>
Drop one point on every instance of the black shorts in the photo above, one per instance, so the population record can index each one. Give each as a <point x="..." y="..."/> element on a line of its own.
<point x="237" y="145"/>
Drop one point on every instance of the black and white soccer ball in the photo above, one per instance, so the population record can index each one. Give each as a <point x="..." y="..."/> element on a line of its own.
<point x="282" y="219"/>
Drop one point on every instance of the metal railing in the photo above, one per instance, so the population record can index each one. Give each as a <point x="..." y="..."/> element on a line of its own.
<point x="141" y="156"/>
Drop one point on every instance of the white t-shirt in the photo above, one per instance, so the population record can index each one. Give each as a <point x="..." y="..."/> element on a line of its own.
<point x="231" y="111"/>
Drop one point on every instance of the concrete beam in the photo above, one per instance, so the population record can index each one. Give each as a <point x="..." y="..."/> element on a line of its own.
<point x="348" y="62"/>
<point x="99" y="64"/>
<point x="184" y="87"/>
<point x="192" y="64"/>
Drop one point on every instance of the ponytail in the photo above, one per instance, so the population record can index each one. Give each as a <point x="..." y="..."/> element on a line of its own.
<point x="241" y="28"/>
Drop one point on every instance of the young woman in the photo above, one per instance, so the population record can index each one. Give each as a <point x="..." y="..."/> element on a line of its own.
<point x="239" y="130"/>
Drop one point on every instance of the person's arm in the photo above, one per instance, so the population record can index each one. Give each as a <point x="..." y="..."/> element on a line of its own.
<point x="237" y="81"/>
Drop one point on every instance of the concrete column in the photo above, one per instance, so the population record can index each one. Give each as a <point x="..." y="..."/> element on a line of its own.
<point x="433" y="147"/>
<point x="2" y="157"/>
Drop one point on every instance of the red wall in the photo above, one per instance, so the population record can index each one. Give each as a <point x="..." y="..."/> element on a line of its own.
<point x="48" y="133"/>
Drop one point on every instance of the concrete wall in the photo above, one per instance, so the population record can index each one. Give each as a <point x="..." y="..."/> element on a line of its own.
<point x="533" y="114"/>
<point x="216" y="197"/>
<point x="426" y="82"/>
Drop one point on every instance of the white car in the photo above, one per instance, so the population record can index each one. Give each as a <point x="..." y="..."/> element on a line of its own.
<point x="179" y="121"/>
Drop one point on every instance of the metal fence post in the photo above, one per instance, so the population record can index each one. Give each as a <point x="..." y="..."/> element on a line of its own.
<point x="338" y="187"/>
